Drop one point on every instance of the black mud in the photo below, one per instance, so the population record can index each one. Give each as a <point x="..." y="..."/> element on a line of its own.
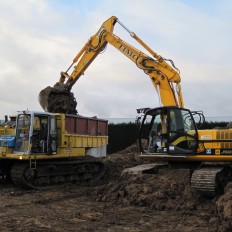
<point x="62" y="102"/>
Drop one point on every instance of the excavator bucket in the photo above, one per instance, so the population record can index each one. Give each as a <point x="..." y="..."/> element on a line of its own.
<point x="43" y="97"/>
<point x="57" y="100"/>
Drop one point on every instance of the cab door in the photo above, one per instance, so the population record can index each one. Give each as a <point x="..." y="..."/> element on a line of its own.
<point x="182" y="132"/>
<point x="153" y="136"/>
<point x="23" y="132"/>
<point x="43" y="137"/>
<point x="52" y="136"/>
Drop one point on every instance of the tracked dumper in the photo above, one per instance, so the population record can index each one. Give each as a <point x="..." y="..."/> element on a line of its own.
<point x="45" y="149"/>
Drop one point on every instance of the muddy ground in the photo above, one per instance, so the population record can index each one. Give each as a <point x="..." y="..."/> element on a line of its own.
<point x="119" y="202"/>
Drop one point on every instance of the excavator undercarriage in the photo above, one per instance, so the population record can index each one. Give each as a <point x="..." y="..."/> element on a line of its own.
<point x="211" y="178"/>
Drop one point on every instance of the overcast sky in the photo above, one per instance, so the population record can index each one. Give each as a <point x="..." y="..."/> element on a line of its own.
<point x="39" y="39"/>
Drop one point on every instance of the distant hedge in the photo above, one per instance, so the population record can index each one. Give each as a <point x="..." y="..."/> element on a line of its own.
<point x="124" y="135"/>
<point x="212" y="125"/>
<point x="121" y="136"/>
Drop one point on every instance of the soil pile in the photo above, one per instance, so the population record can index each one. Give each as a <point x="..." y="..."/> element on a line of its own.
<point x="224" y="207"/>
<point x="167" y="191"/>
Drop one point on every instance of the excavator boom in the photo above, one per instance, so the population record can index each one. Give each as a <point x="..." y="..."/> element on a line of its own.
<point x="164" y="77"/>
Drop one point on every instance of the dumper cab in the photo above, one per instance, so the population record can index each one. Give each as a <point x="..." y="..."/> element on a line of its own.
<point x="35" y="133"/>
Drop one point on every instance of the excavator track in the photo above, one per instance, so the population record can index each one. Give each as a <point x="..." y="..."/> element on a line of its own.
<point x="210" y="181"/>
<point x="56" y="172"/>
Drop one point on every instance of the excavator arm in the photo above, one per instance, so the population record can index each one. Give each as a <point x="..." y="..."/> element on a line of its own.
<point x="88" y="53"/>
<point x="164" y="77"/>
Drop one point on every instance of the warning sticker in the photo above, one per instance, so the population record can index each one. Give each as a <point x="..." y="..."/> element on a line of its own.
<point x="206" y="137"/>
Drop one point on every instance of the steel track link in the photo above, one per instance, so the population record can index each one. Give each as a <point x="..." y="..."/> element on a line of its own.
<point x="17" y="176"/>
<point x="205" y="181"/>
<point x="60" y="171"/>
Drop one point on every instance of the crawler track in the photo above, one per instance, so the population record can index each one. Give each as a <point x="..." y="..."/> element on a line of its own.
<point x="210" y="181"/>
<point x="55" y="172"/>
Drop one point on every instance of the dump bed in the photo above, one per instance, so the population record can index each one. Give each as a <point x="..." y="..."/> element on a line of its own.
<point x="79" y="136"/>
<point x="86" y="125"/>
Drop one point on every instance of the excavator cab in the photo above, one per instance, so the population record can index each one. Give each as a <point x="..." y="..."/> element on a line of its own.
<point x="168" y="131"/>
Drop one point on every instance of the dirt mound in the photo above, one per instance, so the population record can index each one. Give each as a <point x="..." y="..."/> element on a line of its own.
<point x="168" y="190"/>
<point x="116" y="163"/>
<point x="224" y="207"/>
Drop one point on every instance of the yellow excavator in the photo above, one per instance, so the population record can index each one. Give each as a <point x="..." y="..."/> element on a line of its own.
<point x="168" y="133"/>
